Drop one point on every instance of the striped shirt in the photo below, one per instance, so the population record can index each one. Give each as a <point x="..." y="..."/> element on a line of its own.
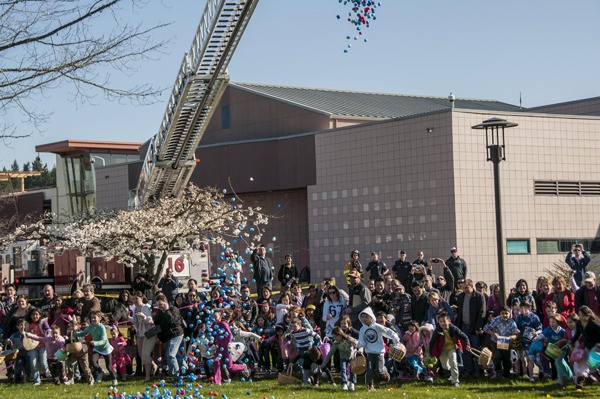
<point x="303" y="339"/>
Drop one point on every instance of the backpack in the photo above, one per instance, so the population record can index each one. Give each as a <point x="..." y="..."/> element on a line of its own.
<point x="305" y="275"/>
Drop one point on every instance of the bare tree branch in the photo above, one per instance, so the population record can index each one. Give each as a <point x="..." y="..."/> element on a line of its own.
<point x="46" y="44"/>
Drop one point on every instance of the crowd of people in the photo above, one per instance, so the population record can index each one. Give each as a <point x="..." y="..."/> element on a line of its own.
<point x="406" y="322"/>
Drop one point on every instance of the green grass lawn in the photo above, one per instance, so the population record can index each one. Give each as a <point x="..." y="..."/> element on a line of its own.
<point x="269" y="388"/>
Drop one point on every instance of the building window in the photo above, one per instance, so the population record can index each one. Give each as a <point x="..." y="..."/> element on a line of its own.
<point x="517" y="247"/>
<point x="563" y="245"/>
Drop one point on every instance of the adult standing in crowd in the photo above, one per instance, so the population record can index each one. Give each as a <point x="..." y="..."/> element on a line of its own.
<point x="376" y="267"/>
<point x="143" y="282"/>
<point x="169" y="285"/>
<point x="470" y="318"/>
<point x="562" y="296"/>
<point x="142" y="322"/>
<point x="588" y="294"/>
<point x="333" y="308"/>
<point x="288" y="273"/>
<point x="444" y="284"/>
<point x="542" y="291"/>
<point x="521" y="294"/>
<point x="419" y="303"/>
<point x="8" y="302"/>
<point x="457" y="265"/>
<point x="402" y="269"/>
<point x="89" y="303"/>
<point x="494" y="301"/>
<point x="578" y="260"/>
<point x="171" y="331"/>
<point x="21" y="310"/>
<point x="360" y="297"/>
<point x="263" y="270"/>
<point x="353" y="265"/>
<point x="45" y="304"/>
<point x="420" y="268"/>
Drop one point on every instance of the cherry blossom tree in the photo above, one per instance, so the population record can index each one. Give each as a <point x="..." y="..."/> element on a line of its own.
<point x="169" y="224"/>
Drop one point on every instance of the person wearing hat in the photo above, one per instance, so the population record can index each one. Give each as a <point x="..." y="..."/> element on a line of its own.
<point x="589" y="293"/>
<point x="353" y="265"/>
<point x="456" y="264"/>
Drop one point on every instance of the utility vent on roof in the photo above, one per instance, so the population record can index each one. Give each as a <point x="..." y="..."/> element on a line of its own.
<point x="580" y="188"/>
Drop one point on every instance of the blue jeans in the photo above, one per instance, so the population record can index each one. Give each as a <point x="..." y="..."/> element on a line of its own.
<point x="345" y="372"/>
<point x="375" y="364"/>
<point x="171" y="349"/>
<point x="470" y="364"/>
<point x="38" y="363"/>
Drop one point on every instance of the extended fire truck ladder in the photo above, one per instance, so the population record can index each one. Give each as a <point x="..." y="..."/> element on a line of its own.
<point x="202" y="79"/>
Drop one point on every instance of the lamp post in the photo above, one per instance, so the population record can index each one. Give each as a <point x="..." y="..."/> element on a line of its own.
<point x="495" y="151"/>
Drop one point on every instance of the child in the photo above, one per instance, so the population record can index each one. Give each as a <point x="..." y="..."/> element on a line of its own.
<point x="401" y="303"/>
<point x="53" y="343"/>
<point x="303" y="339"/>
<point x="100" y="347"/>
<point x="206" y="349"/>
<point x="120" y="358"/>
<point x="310" y="316"/>
<point x="427" y="362"/>
<point x="447" y="345"/>
<point x="370" y="338"/>
<point x="298" y="312"/>
<point x="345" y="323"/>
<point x="267" y="352"/>
<point x="550" y="309"/>
<point x="282" y="307"/>
<point x="80" y="359"/>
<point x="530" y="326"/>
<point x="578" y="355"/>
<point x="22" y="361"/>
<point x="345" y="345"/>
<point x="414" y="348"/>
<point x="280" y="344"/>
<point x="553" y="334"/>
<point x="502" y="326"/>
<point x="222" y="340"/>
<point x="38" y="363"/>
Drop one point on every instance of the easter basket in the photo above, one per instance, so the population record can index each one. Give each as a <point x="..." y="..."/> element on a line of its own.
<point x="358" y="365"/>
<point x="554" y="351"/>
<point x="397" y="351"/>
<point x="484" y="356"/>
<point x="287" y="378"/>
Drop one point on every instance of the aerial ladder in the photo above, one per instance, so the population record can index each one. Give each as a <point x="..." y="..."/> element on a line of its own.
<point x="200" y="83"/>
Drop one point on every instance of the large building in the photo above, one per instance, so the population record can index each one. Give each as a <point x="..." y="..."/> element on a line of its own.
<point x="380" y="172"/>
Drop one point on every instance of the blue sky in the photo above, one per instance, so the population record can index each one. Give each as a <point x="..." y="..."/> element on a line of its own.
<point x="547" y="50"/>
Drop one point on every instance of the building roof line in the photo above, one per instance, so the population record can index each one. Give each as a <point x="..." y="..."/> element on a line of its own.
<point x="582" y="100"/>
<point x="243" y="85"/>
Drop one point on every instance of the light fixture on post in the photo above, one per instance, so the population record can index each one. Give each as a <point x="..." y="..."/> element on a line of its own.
<point x="496" y="152"/>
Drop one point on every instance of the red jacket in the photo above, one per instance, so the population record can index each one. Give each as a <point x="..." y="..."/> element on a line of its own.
<point x="436" y="346"/>
<point x="566" y="307"/>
